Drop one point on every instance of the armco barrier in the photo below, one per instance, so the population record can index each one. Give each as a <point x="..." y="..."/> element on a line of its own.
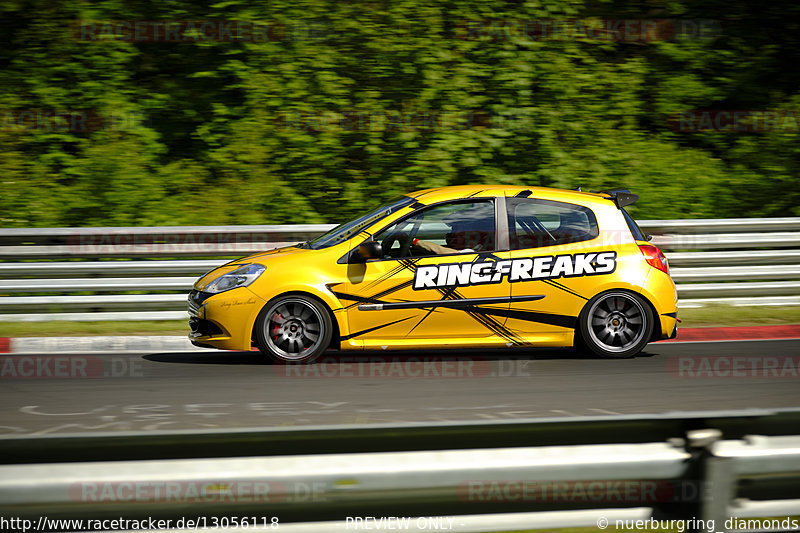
<point x="46" y="273"/>
<point x="703" y="467"/>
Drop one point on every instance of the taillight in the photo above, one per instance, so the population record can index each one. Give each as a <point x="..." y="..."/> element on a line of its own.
<point x="655" y="257"/>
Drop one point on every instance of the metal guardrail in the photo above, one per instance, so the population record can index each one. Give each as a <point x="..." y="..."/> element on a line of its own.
<point x="722" y="241"/>
<point x="46" y="273"/>
<point x="526" y="474"/>
<point x="720" y="225"/>
<point x="151" y="242"/>
<point x="98" y="284"/>
<point x="748" y="257"/>
<point x="735" y="273"/>
<point x="57" y="269"/>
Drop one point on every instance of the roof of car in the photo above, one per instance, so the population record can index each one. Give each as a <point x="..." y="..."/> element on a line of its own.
<point x="463" y="191"/>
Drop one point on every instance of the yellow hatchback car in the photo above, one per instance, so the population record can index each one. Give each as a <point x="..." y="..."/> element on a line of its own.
<point x="453" y="267"/>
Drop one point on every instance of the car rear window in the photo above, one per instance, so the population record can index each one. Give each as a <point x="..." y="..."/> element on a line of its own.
<point x="534" y="223"/>
<point x="636" y="231"/>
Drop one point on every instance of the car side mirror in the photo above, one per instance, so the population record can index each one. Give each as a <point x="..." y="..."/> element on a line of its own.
<point x="366" y="251"/>
<point x="648" y="237"/>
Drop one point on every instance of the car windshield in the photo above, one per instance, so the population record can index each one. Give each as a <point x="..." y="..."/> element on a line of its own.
<point x="349" y="229"/>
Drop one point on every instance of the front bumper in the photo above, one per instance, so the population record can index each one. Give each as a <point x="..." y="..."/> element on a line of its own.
<point x="225" y="320"/>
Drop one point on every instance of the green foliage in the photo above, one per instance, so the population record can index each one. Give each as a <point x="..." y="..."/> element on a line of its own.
<point x="349" y="104"/>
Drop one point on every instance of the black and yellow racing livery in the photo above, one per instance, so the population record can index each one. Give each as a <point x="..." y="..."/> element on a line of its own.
<point x="465" y="266"/>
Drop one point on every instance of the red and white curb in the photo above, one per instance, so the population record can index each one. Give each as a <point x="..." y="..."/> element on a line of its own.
<point x="737" y="333"/>
<point x="165" y="343"/>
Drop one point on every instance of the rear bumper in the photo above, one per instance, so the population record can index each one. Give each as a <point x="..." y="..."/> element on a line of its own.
<point x="668" y="332"/>
<point x="660" y="290"/>
<point x="674" y="332"/>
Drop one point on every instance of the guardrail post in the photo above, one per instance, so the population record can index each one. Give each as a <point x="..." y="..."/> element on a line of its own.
<point x="718" y="479"/>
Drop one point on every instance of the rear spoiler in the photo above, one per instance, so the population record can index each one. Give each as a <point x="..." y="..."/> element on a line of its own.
<point x="621" y="197"/>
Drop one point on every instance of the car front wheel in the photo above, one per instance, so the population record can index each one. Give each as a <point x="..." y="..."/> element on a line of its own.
<point x="293" y="328"/>
<point x="616" y="324"/>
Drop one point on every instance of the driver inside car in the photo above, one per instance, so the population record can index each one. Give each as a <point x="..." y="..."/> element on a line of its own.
<point x="471" y="229"/>
<point x="461" y="240"/>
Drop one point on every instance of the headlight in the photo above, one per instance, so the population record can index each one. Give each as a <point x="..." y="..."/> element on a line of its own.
<point x="241" y="277"/>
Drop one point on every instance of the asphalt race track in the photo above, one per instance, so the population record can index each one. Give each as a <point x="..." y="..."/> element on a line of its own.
<point x="45" y="394"/>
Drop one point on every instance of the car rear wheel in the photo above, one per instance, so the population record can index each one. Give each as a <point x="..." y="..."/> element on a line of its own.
<point x="293" y="329"/>
<point x="616" y="324"/>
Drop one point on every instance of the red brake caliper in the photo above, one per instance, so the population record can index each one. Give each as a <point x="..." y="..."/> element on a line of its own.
<point x="275" y="330"/>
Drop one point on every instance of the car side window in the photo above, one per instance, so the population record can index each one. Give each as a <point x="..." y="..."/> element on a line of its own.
<point x="456" y="227"/>
<point x="535" y="223"/>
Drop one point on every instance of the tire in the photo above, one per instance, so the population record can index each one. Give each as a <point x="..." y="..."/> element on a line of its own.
<point x="615" y="325"/>
<point x="293" y="328"/>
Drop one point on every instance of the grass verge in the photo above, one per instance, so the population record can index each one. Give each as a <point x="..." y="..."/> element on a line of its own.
<point x="718" y="315"/>
<point x="726" y="315"/>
